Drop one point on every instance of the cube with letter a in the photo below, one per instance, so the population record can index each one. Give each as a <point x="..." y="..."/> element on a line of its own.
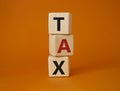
<point x="61" y="45"/>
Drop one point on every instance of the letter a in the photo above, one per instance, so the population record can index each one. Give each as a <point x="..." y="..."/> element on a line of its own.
<point x="64" y="42"/>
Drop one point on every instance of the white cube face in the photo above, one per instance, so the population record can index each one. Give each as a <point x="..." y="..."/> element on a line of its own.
<point x="58" y="66"/>
<point x="60" y="23"/>
<point x="61" y="45"/>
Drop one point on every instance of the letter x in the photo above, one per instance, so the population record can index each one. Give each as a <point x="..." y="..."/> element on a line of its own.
<point x="58" y="67"/>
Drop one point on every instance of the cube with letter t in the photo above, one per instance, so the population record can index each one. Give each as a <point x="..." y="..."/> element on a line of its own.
<point x="59" y="23"/>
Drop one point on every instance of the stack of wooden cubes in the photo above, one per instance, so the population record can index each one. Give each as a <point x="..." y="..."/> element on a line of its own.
<point x="60" y="43"/>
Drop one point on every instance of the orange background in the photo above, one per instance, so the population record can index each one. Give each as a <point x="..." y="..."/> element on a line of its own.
<point x="95" y="65"/>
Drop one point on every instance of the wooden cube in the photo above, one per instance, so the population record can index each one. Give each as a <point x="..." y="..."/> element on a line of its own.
<point x="60" y="23"/>
<point x="61" y="45"/>
<point x="58" y="66"/>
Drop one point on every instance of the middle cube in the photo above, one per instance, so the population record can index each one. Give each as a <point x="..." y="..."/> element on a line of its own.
<point x="61" y="45"/>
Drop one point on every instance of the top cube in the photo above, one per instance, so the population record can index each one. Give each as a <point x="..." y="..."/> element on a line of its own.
<point x="60" y="23"/>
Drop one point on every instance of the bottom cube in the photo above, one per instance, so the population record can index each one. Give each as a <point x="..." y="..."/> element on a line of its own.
<point x="58" y="66"/>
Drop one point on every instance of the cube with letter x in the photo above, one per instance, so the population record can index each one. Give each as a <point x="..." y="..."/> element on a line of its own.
<point x="58" y="66"/>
